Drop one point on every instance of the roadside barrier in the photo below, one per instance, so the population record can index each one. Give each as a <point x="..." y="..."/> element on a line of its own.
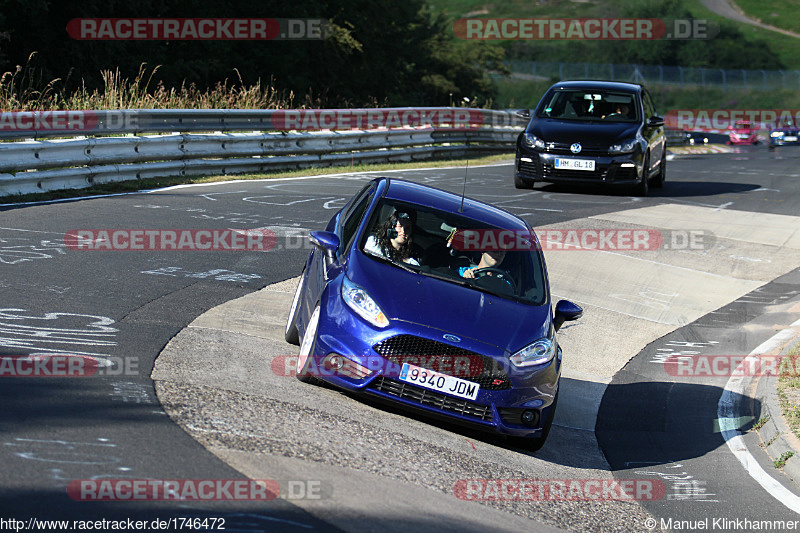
<point x="49" y="150"/>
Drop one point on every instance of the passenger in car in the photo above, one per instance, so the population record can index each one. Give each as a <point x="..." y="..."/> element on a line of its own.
<point x="392" y="239"/>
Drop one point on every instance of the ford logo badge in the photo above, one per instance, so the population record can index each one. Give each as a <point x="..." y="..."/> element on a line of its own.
<point x="452" y="338"/>
<point x="575" y="148"/>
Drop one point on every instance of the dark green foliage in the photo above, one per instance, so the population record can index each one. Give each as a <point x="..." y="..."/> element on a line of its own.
<point x="729" y="49"/>
<point x="382" y="51"/>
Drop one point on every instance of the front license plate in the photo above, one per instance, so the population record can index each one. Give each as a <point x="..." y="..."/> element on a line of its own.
<point x="575" y="164"/>
<point x="439" y="382"/>
<point x="790" y="138"/>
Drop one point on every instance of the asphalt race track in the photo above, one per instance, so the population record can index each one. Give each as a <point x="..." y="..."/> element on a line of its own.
<point x="190" y="337"/>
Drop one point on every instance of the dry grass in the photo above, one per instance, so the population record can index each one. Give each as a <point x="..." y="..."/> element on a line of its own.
<point x="23" y="90"/>
<point x="789" y="391"/>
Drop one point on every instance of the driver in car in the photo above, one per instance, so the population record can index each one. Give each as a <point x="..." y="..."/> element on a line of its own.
<point x="488" y="260"/>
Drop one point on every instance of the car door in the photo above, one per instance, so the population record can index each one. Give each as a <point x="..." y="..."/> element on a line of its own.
<point x="319" y="270"/>
<point x="656" y="139"/>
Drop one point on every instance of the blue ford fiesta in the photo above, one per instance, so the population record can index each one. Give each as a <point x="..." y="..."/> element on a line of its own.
<point x="395" y="303"/>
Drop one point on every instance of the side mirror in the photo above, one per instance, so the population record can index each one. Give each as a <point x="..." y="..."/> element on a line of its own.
<point x="655" y="121"/>
<point x="327" y="242"/>
<point x="566" y="310"/>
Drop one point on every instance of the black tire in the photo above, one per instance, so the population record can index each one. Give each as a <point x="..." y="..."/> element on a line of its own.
<point x="643" y="188"/>
<point x="537" y="443"/>
<point x="291" y="334"/>
<point x="521" y="183"/>
<point x="307" y="348"/>
<point x="661" y="177"/>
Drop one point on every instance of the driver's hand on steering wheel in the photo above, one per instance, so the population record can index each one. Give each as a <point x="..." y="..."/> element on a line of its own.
<point x="470" y="272"/>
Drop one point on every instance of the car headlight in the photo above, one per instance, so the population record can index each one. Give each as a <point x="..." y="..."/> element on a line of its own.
<point x="362" y="303"/>
<point x="776" y="134"/>
<point x="623" y="147"/>
<point x="532" y="141"/>
<point x="536" y="353"/>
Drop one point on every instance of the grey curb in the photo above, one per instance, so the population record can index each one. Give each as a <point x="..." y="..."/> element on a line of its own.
<point x="776" y="437"/>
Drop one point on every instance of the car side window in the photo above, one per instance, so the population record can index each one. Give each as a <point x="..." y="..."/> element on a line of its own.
<point x="352" y="216"/>
<point x="649" y="108"/>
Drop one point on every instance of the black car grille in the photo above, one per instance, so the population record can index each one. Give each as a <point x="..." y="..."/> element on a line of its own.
<point x="598" y="174"/>
<point x="513" y="416"/>
<point x="530" y="168"/>
<point x="564" y="149"/>
<point x="607" y="173"/>
<point x="438" y="356"/>
<point x="432" y="398"/>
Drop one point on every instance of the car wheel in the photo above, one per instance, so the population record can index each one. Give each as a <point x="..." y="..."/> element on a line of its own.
<point x="661" y="177"/>
<point x="521" y="183"/>
<point x="291" y="334"/>
<point x="307" y="348"/>
<point x="643" y="187"/>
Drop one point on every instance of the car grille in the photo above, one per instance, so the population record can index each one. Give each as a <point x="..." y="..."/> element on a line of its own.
<point x="514" y="415"/>
<point x="564" y="149"/>
<point x="599" y="174"/>
<point x="532" y="168"/>
<point x="432" y="398"/>
<point x="607" y="173"/>
<point x="490" y="375"/>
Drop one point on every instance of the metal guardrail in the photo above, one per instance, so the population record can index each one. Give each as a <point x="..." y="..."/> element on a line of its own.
<point x="112" y="146"/>
<point x="660" y="75"/>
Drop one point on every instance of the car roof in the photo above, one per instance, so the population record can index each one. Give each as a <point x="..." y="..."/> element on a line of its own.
<point x="595" y="84"/>
<point x="425" y="195"/>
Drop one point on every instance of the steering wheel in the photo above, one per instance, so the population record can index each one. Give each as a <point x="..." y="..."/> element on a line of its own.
<point x="501" y="274"/>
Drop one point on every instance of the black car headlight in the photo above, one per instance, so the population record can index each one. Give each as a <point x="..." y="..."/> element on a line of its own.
<point x="532" y="141"/>
<point x="624" y="147"/>
<point x="536" y="353"/>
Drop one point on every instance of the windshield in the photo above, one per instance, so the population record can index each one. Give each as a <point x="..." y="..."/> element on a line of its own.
<point x="590" y="104"/>
<point x="432" y="243"/>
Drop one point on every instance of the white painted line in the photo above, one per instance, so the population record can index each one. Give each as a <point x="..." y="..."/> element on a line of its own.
<point x="727" y="415"/>
<point x="186" y="185"/>
<point x="33" y="230"/>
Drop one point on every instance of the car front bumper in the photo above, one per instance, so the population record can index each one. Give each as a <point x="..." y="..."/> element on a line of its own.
<point x="623" y="169"/>
<point x="500" y="410"/>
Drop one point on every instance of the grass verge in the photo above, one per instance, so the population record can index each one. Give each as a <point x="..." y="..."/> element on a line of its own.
<point x="789" y="393"/>
<point x="157" y="183"/>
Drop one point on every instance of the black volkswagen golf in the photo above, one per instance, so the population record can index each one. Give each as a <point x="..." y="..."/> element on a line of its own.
<point x="593" y="132"/>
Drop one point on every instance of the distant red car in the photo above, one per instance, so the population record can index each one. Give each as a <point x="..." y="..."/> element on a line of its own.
<point x="742" y="132"/>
